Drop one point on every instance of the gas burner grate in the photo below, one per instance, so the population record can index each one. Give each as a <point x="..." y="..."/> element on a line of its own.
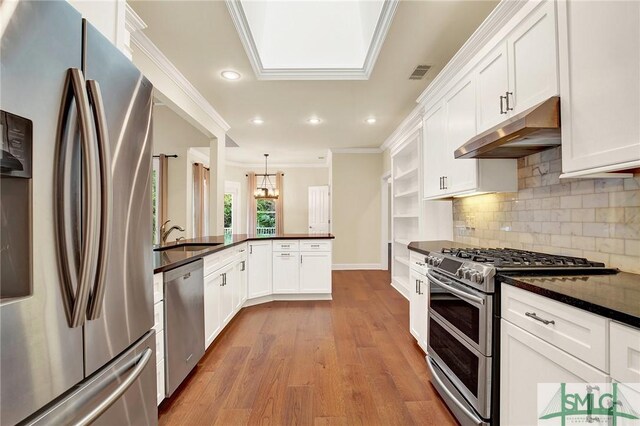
<point x="515" y="258"/>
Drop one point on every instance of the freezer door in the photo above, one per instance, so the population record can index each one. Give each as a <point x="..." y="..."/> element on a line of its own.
<point x="126" y="311"/>
<point x="41" y="355"/>
<point x="122" y="393"/>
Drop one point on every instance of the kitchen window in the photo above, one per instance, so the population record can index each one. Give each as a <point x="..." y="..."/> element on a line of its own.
<point x="265" y="217"/>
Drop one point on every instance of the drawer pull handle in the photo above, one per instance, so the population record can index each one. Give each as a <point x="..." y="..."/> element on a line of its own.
<point x="537" y="318"/>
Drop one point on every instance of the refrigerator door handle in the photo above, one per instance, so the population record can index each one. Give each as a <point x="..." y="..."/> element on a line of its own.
<point x="106" y="197"/>
<point x="76" y="304"/>
<point x="103" y="405"/>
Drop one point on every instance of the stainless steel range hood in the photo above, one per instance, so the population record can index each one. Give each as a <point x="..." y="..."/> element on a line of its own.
<point x="531" y="131"/>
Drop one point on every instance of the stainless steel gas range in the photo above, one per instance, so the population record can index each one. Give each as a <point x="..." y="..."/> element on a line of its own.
<point x="464" y="320"/>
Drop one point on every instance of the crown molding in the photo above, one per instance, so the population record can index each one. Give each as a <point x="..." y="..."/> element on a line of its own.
<point x="149" y="49"/>
<point x="407" y="137"/>
<point x="244" y="31"/>
<point x="405" y="129"/>
<point x="276" y="165"/>
<point x="356" y="150"/>
<point x="132" y="21"/>
<point x="492" y="25"/>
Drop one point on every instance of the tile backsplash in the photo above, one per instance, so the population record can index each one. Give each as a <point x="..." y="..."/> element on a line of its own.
<point x="594" y="218"/>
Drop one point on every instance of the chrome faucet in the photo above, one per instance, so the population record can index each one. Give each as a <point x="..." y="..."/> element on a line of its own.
<point x="165" y="234"/>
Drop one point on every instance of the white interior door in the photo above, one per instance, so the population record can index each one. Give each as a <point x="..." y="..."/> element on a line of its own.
<point x="319" y="209"/>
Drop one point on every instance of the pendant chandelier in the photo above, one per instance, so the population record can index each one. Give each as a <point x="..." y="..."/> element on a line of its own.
<point x="266" y="189"/>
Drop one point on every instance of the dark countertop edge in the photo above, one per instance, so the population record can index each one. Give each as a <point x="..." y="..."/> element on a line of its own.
<point x="224" y="246"/>
<point x="575" y="302"/>
<point x="416" y="249"/>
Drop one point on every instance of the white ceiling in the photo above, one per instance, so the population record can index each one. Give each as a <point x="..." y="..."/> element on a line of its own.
<point x="199" y="37"/>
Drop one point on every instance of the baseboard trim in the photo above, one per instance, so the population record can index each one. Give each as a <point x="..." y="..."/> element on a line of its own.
<point x="400" y="289"/>
<point x="287" y="297"/>
<point x="355" y="266"/>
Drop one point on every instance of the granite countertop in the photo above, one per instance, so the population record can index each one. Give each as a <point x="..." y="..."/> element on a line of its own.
<point x="164" y="260"/>
<point x="615" y="296"/>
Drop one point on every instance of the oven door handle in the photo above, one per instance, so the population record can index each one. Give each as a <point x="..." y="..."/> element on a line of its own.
<point x="461" y="294"/>
<point x="434" y="376"/>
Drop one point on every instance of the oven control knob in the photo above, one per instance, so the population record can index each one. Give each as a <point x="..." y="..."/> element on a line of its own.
<point x="460" y="273"/>
<point x="437" y="261"/>
<point x="467" y="273"/>
<point x="429" y="260"/>
<point x="476" y="277"/>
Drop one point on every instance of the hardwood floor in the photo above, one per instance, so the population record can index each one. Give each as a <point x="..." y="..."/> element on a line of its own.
<point x="343" y="362"/>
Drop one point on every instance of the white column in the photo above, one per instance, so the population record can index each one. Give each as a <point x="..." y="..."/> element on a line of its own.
<point x="216" y="187"/>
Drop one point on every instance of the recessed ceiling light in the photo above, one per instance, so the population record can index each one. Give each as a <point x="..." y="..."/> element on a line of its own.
<point x="370" y="120"/>
<point x="257" y="121"/>
<point x="314" y="120"/>
<point x="230" y="75"/>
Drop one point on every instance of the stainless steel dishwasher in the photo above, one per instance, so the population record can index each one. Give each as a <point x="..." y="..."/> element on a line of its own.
<point x="183" y="322"/>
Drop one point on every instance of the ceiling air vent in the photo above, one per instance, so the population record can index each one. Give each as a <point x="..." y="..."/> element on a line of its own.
<point x="419" y="72"/>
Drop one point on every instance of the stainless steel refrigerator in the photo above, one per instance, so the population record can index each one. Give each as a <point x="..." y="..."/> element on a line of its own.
<point x="76" y="306"/>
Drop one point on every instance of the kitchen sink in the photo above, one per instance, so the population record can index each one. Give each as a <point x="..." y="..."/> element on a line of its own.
<point x="188" y="247"/>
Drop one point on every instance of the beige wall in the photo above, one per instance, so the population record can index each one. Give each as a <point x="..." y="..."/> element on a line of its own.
<point x="594" y="218"/>
<point x="356" y="208"/>
<point x="173" y="135"/>
<point x="296" y="190"/>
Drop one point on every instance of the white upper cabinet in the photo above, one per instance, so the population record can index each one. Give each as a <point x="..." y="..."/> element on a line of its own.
<point x="520" y="71"/>
<point x="434" y="150"/>
<point x="461" y="175"/>
<point x="599" y="50"/>
<point x="510" y="74"/>
<point x="492" y="78"/>
<point x="447" y="126"/>
<point x="533" y="60"/>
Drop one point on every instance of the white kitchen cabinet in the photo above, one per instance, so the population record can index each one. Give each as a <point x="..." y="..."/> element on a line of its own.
<point x="286" y="272"/>
<point x="527" y="361"/>
<point x="492" y="76"/>
<point x="418" y="308"/>
<point x="460" y="175"/>
<point x="158" y="327"/>
<point x="599" y="51"/>
<point x="533" y="59"/>
<point x="241" y="277"/>
<point x="315" y="272"/>
<point x="624" y="353"/>
<point x="434" y="150"/>
<point x="212" y="317"/>
<point x="229" y="287"/>
<point x="520" y="71"/>
<point x="444" y="176"/>
<point x="576" y="331"/>
<point x="259" y="274"/>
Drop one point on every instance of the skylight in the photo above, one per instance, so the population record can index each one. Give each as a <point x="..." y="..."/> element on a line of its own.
<point x="317" y="40"/>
